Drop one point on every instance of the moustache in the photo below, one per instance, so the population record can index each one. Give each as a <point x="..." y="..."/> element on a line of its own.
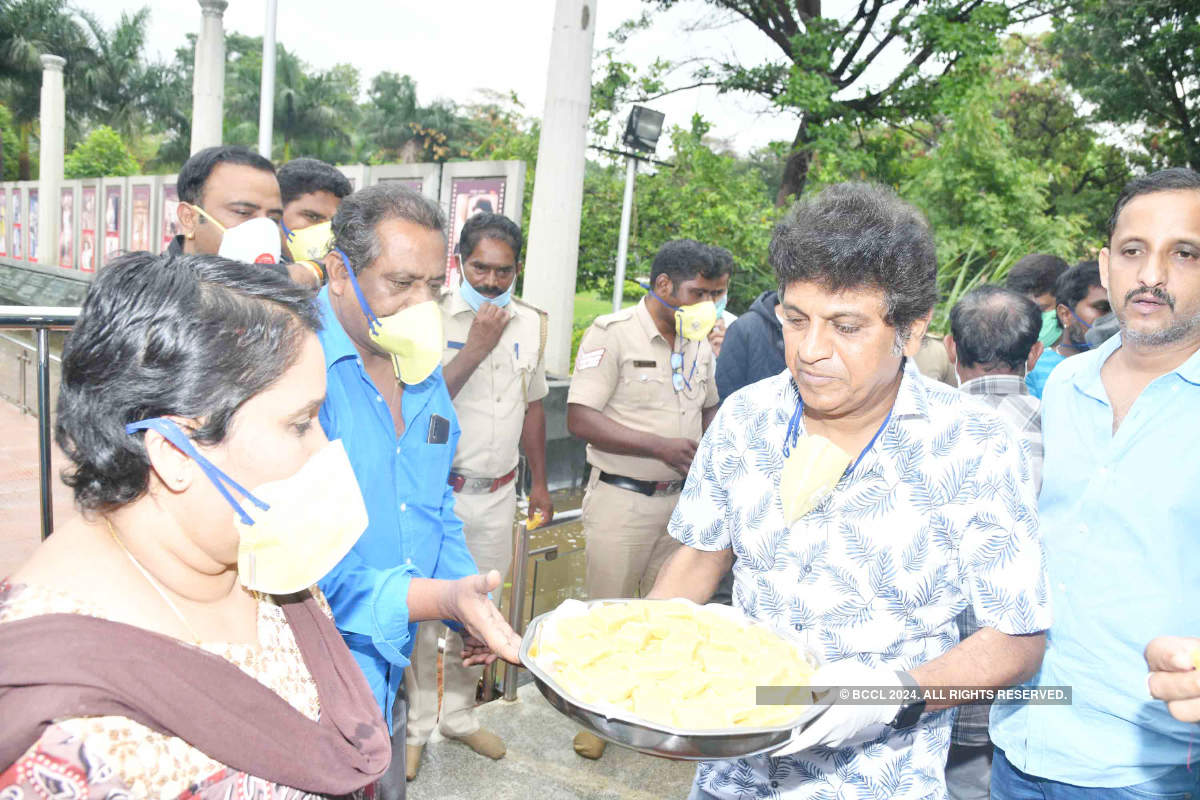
<point x="1161" y="295"/>
<point x="490" y="291"/>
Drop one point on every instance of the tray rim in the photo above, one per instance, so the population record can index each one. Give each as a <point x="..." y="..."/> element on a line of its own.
<point x="817" y="708"/>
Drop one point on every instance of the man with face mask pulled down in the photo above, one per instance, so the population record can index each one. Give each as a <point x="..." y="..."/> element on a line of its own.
<point x="387" y="401"/>
<point x="494" y="368"/>
<point x="642" y="393"/>
<point x="229" y="205"/>
<point x="866" y="506"/>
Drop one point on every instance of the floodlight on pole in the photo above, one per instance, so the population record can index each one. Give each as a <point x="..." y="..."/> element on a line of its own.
<point x="643" y="128"/>
<point x="641" y="133"/>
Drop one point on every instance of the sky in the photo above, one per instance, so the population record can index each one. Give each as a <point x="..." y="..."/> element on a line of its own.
<point x="455" y="48"/>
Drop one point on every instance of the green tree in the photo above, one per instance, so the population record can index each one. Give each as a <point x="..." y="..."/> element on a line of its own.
<point x="29" y="29"/>
<point x="1042" y="112"/>
<point x="714" y="197"/>
<point x="400" y="129"/>
<point x="103" y="153"/>
<point x="1136" y="61"/>
<point x="8" y="168"/>
<point x="823" y="68"/>
<point x="115" y="81"/>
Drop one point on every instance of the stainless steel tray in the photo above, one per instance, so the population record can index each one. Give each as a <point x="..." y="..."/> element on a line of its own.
<point x="659" y="740"/>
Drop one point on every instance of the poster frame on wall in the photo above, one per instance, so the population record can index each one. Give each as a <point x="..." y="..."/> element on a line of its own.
<point x="427" y="176"/>
<point x="121" y="187"/>
<point x="68" y="189"/>
<point x="513" y="175"/>
<point x="16" y="221"/>
<point x="83" y="224"/>
<point x="5" y="228"/>
<point x="33" y="242"/>
<point x="166" y="185"/>
<point x="359" y="175"/>
<point x="139" y="186"/>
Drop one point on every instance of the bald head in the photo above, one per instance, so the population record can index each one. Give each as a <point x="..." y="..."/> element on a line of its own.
<point x="994" y="330"/>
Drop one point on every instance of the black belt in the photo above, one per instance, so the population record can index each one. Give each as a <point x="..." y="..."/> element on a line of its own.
<point x="648" y="488"/>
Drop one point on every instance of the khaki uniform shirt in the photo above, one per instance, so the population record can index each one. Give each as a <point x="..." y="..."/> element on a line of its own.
<point x="491" y="404"/>
<point x="623" y="370"/>
<point x="934" y="362"/>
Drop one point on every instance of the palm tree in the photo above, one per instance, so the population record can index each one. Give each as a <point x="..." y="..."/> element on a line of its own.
<point x="115" y="81"/>
<point x="402" y="129"/>
<point x="28" y="29"/>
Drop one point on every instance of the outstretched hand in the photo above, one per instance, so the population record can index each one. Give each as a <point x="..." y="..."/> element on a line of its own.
<point x="488" y="635"/>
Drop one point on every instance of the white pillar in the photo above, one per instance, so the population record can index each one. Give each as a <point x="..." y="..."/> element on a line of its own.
<point x="553" y="253"/>
<point x="53" y="123"/>
<point x="266" y="97"/>
<point x="208" y="79"/>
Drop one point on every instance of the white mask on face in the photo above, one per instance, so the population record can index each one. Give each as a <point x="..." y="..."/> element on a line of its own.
<point x="255" y="241"/>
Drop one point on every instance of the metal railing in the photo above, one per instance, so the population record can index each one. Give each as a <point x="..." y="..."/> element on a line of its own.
<point x="41" y="320"/>
<point x="521" y="559"/>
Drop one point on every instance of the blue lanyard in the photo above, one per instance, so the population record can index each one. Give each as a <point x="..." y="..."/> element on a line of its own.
<point x="687" y="379"/>
<point x="793" y="434"/>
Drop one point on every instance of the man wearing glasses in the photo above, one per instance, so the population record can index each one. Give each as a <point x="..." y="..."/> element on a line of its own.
<point x="642" y="394"/>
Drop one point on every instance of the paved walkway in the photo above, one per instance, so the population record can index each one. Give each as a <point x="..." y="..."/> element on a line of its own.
<point x="541" y="764"/>
<point x="20" y="520"/>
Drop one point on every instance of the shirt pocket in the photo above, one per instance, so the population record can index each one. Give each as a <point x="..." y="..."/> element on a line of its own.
<point x="521" y="362"/>
<point x="642" y="386"/>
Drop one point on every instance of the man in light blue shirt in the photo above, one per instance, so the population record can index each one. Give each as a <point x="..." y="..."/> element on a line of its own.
<point x="389" y="405"/>
<point x="1119" y="513"/>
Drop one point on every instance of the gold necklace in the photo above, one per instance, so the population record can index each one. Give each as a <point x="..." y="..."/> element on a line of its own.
<point x="150" y="579"/>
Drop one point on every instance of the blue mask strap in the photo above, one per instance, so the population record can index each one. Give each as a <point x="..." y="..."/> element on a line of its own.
<point x="287" y="231"/>
<point x="793" y="434"/>
<point x="372" y="320"/>
<point x="793" y="429"/>
<point x="664" y="302"/>
<point x="171" y="432"/>
<point x="1086" y="327"/>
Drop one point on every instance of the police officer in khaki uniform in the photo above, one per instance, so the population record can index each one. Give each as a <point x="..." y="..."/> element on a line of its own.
<point x="642" y="394"/>
<point x="495" y="371"/>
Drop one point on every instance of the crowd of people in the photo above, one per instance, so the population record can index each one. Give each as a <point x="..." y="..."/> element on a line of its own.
<point x="295" y="452"/>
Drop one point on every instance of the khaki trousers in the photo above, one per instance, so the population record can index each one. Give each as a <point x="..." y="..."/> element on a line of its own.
<point x="488" y="528"/>
<point x="627" y="540"/>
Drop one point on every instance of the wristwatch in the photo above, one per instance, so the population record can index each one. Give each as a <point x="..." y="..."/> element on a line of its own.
<point x="910" y="712"/>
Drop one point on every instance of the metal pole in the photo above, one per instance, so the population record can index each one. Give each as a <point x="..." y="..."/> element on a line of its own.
<point x="516" y="609"/>
<point x="43" y="410"/>
<point x="266" y="99"/>
<point x="623" y="241"/>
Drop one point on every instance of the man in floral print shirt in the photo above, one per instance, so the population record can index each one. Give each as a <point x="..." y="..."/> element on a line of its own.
<point x="937" y="511"/>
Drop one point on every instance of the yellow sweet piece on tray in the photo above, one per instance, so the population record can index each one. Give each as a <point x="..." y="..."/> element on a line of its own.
<point x="674" y="664"/>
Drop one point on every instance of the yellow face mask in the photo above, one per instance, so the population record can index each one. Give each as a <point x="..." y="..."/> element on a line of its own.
<point x="813" y="466"/>
<point x="412" y="335"/>
<point x="414" y="338"/>
<point x="314" y="518"/>
<point x="311" y="243"/>
<point x="811" y="470"/>
<point x="695" y="321"/>
<point x="291" y="531"/>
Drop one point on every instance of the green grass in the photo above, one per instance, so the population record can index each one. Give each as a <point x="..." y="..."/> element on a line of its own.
<point x="591" y="304"/>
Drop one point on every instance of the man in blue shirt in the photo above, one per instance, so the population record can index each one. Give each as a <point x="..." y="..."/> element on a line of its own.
<point x="1119" y="511"/>
<point x="386" y="400"/>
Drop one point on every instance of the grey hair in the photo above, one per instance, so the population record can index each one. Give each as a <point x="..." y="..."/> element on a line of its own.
<point x="360" y="213"/>
<point x="854" y="235"/>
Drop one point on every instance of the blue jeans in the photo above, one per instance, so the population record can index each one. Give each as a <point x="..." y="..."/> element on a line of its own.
<point x="1009" y="783"/>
